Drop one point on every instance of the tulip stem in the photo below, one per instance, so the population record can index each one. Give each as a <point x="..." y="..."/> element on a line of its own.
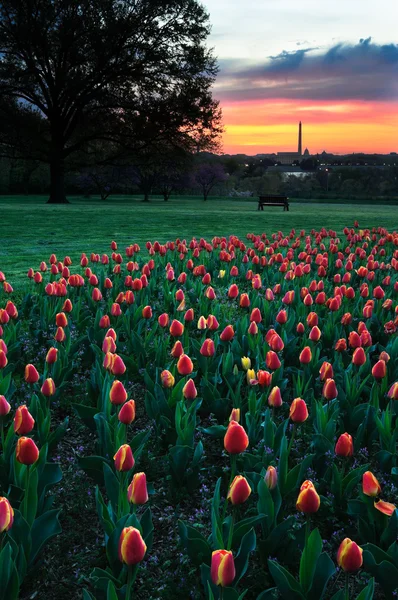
<point x="2" y="435"/>
<point x="346" y="587"/>
<point x="231" y="530"/>
<point x="221" y="593"/>
<point x="233" y="470"/>
<point x="307" y="530"/>
<point x="292" y="438"/>
<point x="130" y="581"/>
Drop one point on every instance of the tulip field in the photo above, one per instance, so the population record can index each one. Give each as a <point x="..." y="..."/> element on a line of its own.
<point x="202" y="417"/>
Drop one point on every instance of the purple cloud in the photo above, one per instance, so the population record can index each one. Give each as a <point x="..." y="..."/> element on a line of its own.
<point x="365" y="70"/>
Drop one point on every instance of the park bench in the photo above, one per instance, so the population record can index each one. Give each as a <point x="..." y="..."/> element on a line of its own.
<point x="272" y="200"/>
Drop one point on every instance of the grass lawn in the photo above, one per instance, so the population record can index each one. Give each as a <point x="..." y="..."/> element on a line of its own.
<point x="30" y="230"/>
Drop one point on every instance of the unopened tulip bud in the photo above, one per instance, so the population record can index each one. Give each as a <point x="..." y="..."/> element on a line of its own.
<point x="48" y="387"/>
<point x="222" y="570"/>
<point x="393" y="391"/>
<point x="246" y="363"/>
<point x="31" y="374"/>
<point x="60" y="335"/>
<point x="235" y="439"/>
<point x="271" y="478"/>
<point x="184" y="365"/>
<point x="167" y="379"/>
<point x="235" y="415"/>
<point x="4" y="406"/>
<point x="239" y="490"/>
<point x="298" y="411"/>
<point x="27" y="452"/>
<point x="118" y="367"/>
<point x="370" y="485"/>
<point x="3" y="359"/>
<point x="176" y="328"/>
<point x="275" y="397"/>
<point x="349" y="556"/>
<point x="61" y="320"/>
<point x="163" y="320"/>
<point x="379" y="370"/>
<point x="6" y="515"/>
<point x="308" y="500"/>
<point x="344" y="445"/>
<point x="305" y="356"/>
<point x="177" y="350"/>
<point x="227" y="334"/>
<point x="326" y="371"/>
<point x="272" y="360"/>
<point x="127" y="413"/>
<point x="124" y="459"/>
<point x="132" y="548"/>
<point x="189" y="390"/>
<point x="108" y="345"/>
<point x="52" y="356"/>
<point x="137" y="492"/>
<point x="329" y="390"/>
<point x="117" y="394"/>
<point x="23" y="421"/>
<point x="251" y="376"/>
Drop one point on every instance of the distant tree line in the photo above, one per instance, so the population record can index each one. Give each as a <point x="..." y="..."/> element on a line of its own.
<point x="165" y="173"/>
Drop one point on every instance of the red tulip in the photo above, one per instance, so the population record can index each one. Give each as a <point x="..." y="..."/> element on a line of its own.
<point x="4" y="406"/>
<point x="207" y="348"/>
<point x="127" y="413"/>
<point x="329" y="390"/>
<point x="359" y="357"/>
<point x="305" y="355"/>
<point x="184" y="365"/>
<point x="344" y="445"/>
<point x="326" y="371"/>
<point x="235" y="439"/>
<point x="31" y="374"/>
<point x="137" y="492"/>
<point x="308" y="500"/>
<point x="239" y="490"/>
<point x="117" y="394"/>
<point x="61" y="320"/>
<point x="6" y="515"/>
<point x="132" y="547"/>
<point x="189" y="390"/>
<point x="298" y="411"/>
<point x="272" y="360"/>
<point x="23" y="421"/>
<point x="52" y="356"/>
<point x="48" y="387"/>
<point x="177" y="350"/>
<point x="275" y="397"/>
<point x="227" y="334"/>
<point x="349" y="556"/>
<point x="370" y="485"/>
<point x="379" y="370"/>
<point x="176" y="328"/>
<point x="124" y="459"/>
<point x="27" y="452"/>
<point x="222" y="568"/>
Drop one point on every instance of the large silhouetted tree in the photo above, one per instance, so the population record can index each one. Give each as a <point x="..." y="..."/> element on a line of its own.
<point x="123" y="73"/>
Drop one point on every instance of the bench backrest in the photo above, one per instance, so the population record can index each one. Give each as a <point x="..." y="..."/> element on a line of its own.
<point x="270" y="198"/>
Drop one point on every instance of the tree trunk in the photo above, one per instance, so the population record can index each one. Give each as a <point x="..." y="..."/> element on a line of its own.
<point x="57" y="184"/>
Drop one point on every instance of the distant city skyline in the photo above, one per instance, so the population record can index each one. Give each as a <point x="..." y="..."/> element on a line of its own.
<point x="335" y="67"/>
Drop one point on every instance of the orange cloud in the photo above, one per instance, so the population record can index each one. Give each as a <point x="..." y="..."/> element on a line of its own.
<point x="264" y="126"/>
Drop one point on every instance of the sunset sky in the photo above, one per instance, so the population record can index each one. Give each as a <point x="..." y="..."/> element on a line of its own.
<point x="334" y="66"/>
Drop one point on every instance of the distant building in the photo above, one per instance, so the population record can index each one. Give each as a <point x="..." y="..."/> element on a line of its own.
<point x="288" y="158"/>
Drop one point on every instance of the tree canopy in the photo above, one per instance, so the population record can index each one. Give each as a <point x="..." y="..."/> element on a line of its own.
<point x="123" y="73"/>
